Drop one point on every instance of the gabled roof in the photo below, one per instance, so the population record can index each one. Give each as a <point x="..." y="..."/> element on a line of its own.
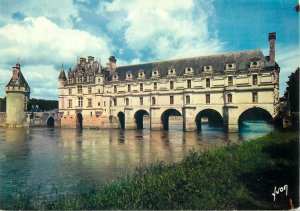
<point x="218" y="63"/>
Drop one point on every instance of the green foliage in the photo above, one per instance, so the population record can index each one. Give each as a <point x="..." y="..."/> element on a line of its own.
<point x="235" y="177"/>
<point x="44" y="105"/>
<point x="291" y="93"/>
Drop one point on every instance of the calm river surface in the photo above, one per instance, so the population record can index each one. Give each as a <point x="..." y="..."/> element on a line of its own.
<point x="72" y="161"/>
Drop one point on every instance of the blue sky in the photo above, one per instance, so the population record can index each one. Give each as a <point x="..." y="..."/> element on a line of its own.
<point x="43" y="34"/>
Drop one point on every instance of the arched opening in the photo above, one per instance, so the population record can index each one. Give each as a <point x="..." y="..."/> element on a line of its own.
<point x="255" y="119"/>
<point x="210" y="118"/>
<point x="50" y="121"/>
<point x="121" y="117"/>
<point x="172" y="116"/>
<point x="139" y="117"/>
<point x="79" y="120"/>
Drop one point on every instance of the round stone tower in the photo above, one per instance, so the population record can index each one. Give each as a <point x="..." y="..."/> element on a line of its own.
<point x="17" y="96"/>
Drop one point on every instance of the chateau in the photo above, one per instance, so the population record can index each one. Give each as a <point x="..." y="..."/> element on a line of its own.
<point x="221" y="87"/>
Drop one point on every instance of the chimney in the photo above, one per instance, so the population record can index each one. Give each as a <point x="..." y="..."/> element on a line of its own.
<point x="272" y="38"/>
<point x="112" y="64"/>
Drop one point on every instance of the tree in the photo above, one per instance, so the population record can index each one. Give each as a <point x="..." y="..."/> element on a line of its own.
<point x="291" y="93"/>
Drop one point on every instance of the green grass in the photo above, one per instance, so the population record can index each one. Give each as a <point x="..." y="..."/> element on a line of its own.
<point x="234" y="177"/>
<point x="238" y="176"/>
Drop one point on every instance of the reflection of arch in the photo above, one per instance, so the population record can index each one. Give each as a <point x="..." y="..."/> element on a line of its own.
<point x="50" y="121"/>
<point x="79" y="120"/>
<point x="214" y="118"/>
<point x="165" y="117"/>
<point x="255" y="113"/>
<point x="138" y="116"/>
<point x="121" y="117"/>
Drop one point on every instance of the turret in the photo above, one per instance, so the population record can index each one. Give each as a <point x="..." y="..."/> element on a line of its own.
<point x="272" y="38"/>
<point x="17" y="97"/>
<point x="61" y="81"/>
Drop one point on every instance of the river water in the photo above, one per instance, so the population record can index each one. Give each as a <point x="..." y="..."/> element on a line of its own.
<point x="50" y="160"/>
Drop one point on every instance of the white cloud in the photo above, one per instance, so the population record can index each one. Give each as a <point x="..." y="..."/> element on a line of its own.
<point x="40" y="44"/>
<point x="60" y="12"/>
<point x="165" y="29"/>
<point x="288" y="58"/>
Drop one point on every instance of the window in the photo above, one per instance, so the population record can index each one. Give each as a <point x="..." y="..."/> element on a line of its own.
<point x="230" y="81"/>
<point x="207" y="98"/>
<point x="171" y="84"/>
<point x="189" y="84"/>
<point x="155" y="85"/>
<point x="89" y="102"/>
<point x="99" y="104"/>
<point x="79" y="89"/>
<point x="80" y="79"/>
<point x="91" y="113"/>
<point x="207" y="82"/>
<point x="254" y="97"/>
<point x="141" y="87"/>
<point x="171" y="100"/>
<point x="104" y="103"/>
<point x="70" y="80"/>
<point x="129" y="88"/>
<point x="115" y="89"/>
<point x="254" y="79"/>
<point x="98" y="90"/>
<point x="127" y="101"/>
<point x="153" y="101"/>
<point x="80" y="101"/>
<point x="90" y="90"/>
<point x="188" y="99"/>
<point x="115" y="101"/>
<point x="98" y="80"/>
<point x="229" y="98"/>
<point x="70" y="103"/>
<point x="70" y="91"/>
<point x="141" y="101"/>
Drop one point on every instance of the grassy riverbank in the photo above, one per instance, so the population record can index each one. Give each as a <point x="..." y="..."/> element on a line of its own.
<point x="234" y="177"/>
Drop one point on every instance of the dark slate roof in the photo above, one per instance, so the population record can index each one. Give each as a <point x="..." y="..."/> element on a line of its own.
<point x="20" y="82"/>
<point x="62" y="75"/>
<point x="218" y="63"/>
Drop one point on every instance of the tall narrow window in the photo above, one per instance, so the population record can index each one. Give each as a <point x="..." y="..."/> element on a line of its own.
<point x="115" y="101"/>
<point x="141" y="87"/>
<point x="70" y="103"/>
<point x="70" y="91"/>
<point x="171" y="100"/>
<point x="229" y="98"/>
<point x="115" y="89"/>
<point x="254" y="79"/>
<point x="155" y="85"/>
<point x="153" y="101"/>
<point x="90" y="90"/>
<point x="127" y="101"/>
<point x="80" y="101"/>
<point x="207" y="98"/>
<point x="89" y="102"/>
<point x="129" y="88"/>
<point x="254" y="97"/>
<point x="187" y="99"/>
<point x="230" y="81"/>
<point x="79" y="89"/>
<point x="207" y="82"/>
<point x="141" y="101"/>
<point x="189" y="84"/>
<point x="171" y="84"/>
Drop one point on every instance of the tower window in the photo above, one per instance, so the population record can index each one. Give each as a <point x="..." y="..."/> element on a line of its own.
<point x="129" y="88"/>
<point x="207" y="82"/>
<point x="254" y="79"/>
<point x="141" y="87"/>
<point x="153" y="101"/>
<point x="141" y="101"/>
<point x="155" y="85"/>
<point x="171" y="85"/>
<point x="115" y="101"/>
<point x="189" y="84"/>
<point x="115" y="89"/>
<point x="188" y="99"/>
<point x="207" y="98"/>
<point x="230" y="81"/>
<point x="229" y="98"/>
<point x="254" y="97"/>
<point x="127" y="101"/>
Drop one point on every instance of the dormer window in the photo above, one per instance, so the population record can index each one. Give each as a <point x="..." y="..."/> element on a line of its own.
<point x="230" y="67"/>
<point x="155" y="73"/>
<point x="207" y="68"/>
<point x="141" y="74"/>
<point x="189" y="71"/>
<point x="129" y="75"/>
<point x="172" y="72"/>
<point x="255" y="63"/>
<point x="115" y="77"/>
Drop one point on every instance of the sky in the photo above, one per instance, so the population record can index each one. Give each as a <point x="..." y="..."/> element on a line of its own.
<point x="44" y="34"/>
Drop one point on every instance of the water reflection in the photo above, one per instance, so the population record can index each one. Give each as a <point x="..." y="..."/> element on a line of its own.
<point x="76" y="160"/>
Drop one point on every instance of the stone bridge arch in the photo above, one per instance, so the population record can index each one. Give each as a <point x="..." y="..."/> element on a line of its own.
<point x="50" y="121"/>
<point x="139" y="118"/>
<point x="255" y="113"/>
<point x="214" y="118"/>
<point x="166" y="114"/>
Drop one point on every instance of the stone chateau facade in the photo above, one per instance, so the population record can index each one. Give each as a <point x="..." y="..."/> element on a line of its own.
<point x="220" y="87"/>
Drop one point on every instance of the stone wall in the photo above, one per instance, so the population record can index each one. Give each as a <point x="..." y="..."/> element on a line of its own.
<point x="2" y="119"/>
